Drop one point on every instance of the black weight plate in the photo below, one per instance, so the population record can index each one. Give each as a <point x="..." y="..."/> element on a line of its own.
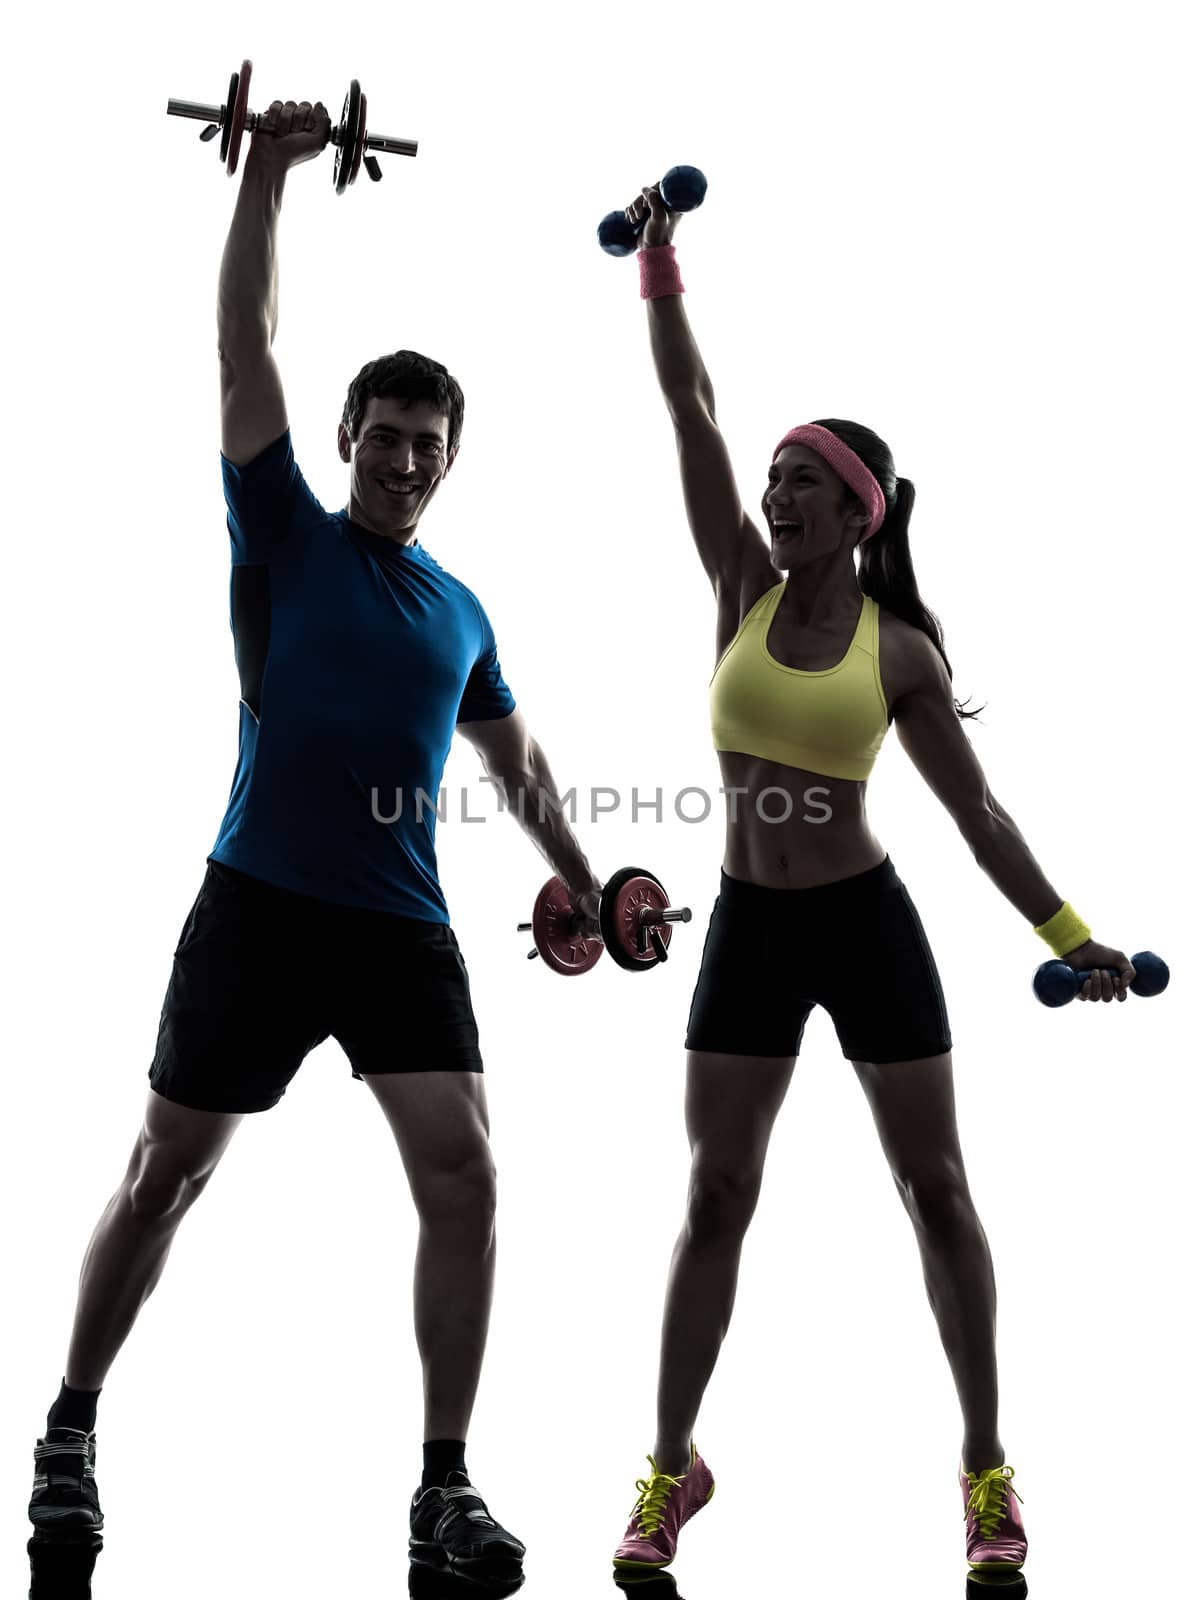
<point x="240" y="107"/>
<point x="359" y="142"/>
<point x="226" y="117"/>
<point x="347" y="138"/>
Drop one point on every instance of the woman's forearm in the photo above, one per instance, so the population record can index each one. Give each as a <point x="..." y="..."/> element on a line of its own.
<point x="1005" y="856"/>
<point x="679" y="365"/>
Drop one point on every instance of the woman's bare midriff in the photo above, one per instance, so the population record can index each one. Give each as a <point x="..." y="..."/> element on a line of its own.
<point x="788" y="828"/>
<point x="792" y="829"/>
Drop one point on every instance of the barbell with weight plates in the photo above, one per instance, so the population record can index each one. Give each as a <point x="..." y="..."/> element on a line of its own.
<point x="633" y="913"/>
<point x="351" y="138"/>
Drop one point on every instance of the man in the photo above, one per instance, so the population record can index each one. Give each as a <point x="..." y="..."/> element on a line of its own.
<point x="321" y="913"/>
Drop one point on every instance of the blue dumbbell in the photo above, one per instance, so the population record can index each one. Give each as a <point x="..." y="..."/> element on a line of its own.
<point x="1056" y="984"/>
<point x="681" y="189"/>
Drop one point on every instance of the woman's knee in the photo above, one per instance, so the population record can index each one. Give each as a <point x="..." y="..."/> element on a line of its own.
<point x="722" y="1199"/>
<point x="937" y="1199"/>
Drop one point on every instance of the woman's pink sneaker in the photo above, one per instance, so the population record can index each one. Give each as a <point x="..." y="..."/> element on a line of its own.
<point x="664" y="1506"/>
<point x="996" y="1536"/>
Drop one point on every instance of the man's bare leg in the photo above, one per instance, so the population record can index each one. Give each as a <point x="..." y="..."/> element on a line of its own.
<point x="440" y="1124"/>
<point x="175" y="1154"/>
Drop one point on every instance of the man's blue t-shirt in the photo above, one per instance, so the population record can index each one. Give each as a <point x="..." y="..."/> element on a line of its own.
<point x="357" y="658"/>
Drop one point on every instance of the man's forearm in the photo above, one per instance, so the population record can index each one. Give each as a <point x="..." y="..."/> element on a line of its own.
<point x="247" y="298"/>
<point x="530" y="794"/>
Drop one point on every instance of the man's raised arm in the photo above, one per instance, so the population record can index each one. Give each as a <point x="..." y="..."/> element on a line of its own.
<point x="252" y="409"/>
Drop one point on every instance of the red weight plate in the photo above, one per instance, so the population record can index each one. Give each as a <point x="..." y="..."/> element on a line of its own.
<point x="360" y="147"/>
<point x="622" y="904"/>
<point x="238" y="116"/>
<point x="553" y="917"/>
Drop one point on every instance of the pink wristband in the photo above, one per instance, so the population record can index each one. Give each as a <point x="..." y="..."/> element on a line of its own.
<point x="659" y="272"/>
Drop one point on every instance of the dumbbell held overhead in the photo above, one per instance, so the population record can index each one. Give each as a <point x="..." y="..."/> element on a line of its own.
<point x="681" y="189"/>
<point x="633" y="913"/>
<point x="1057" y="984"/>
<point x="350" y="138"/>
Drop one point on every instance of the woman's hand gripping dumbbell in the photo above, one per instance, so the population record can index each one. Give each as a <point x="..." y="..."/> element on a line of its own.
<point x="654" y="214"/>
<point x="631" y="918"/>
<point x="1099" y="974"/>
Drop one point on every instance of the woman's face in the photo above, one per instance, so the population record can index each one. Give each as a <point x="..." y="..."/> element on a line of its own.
<point x="804" y="490"/>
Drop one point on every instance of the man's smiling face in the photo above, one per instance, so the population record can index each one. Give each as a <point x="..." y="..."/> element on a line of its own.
<point x="397" y="462"/>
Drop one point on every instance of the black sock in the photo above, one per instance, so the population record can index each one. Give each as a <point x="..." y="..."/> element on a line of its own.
<point x="74" y="1408"/>
<point x="442" y="1456"/>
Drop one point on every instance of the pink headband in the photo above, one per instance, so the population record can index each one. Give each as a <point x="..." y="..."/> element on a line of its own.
<point x="846" y="463"/>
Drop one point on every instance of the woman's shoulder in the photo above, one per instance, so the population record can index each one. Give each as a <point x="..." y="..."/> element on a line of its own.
<point x="896" y="627"/>
<point x="906" y="655"/>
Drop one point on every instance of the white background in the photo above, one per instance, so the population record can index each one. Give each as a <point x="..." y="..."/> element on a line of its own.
<point x="966" y="228"/>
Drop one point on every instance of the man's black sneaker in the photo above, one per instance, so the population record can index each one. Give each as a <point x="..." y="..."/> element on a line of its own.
<point x="453" y="1525"/>
<point x="65" y="1497"/>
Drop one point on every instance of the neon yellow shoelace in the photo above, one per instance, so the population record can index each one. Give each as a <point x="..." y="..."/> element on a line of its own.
<point x="990" y="1497"/>
<point x="654" y="1491"/>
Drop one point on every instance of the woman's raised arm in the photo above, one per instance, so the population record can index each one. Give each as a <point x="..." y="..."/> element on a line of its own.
<point x="729" y="545"/>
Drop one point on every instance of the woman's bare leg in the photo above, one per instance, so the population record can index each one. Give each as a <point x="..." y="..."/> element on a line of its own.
<point x="913" y="1104"/>
<point x="731" y="1104"/>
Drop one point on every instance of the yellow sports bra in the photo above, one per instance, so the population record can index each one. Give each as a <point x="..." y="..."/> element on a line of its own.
<point x="832" y="722"/>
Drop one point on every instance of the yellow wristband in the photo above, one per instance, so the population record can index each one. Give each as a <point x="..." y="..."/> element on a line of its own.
<point x="1065" y="930"/>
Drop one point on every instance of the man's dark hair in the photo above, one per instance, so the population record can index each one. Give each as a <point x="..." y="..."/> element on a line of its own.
<point x="406" y="375"/>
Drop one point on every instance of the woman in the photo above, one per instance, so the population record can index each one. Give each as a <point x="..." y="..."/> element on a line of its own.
<point x="815" y="660"/>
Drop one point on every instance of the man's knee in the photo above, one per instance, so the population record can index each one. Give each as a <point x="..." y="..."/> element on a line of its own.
<point x="175" y="1154"/>
<point x="458" y="1188"/>
<point x="160" y="1187"/>
<point x="171" y="1164"/>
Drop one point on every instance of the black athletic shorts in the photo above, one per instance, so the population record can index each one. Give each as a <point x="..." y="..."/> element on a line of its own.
<point x="262" y="975"/>
<point x="856" y="946"/>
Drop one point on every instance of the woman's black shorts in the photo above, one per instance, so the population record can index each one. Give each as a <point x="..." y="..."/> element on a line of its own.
<point x="262" y="975"/>
<point x="856" y="946"/>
